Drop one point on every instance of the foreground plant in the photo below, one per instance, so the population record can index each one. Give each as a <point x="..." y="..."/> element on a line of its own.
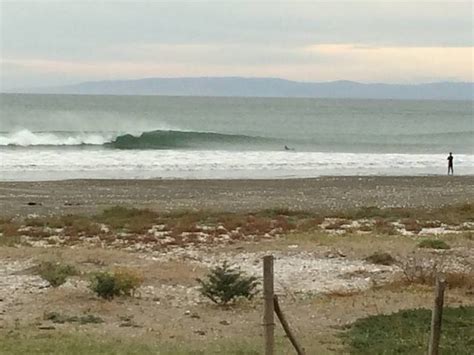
<point x="122" y="282"/>
<point x="55" y="273"/>
<point x="225" y="284"/>
<point x="433" y="244"/>
<point x="381" y="258"/>
<point x="405" y="332"/>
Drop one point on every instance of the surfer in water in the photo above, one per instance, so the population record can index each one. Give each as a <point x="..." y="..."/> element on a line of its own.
<point x="288" y="148"/>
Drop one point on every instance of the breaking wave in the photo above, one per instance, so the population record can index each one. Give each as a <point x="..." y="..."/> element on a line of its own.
<point x="160" y="139"/>
<point x="25" y="138"/>
<point x="186" y="140"/>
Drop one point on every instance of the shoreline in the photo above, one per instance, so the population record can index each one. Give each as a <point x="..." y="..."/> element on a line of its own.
<point x="88" y="196"/>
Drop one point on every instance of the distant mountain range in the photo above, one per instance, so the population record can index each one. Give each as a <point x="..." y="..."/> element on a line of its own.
<point x="265" y="87"/>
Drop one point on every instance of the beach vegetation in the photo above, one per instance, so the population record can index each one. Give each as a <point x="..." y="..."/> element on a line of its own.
<point x="60" y="318"/>
<point x="411" y="225"/>
<point x="60" y="342"/>
<point x="131" y="219"/>
<point x="337" y="224"/>
<point x="55" y="273"/>
<point x="9" y="240"/>
<point x="433" y="244"/>
<point x="383" y="226"/>
<point x="419" y="271"/>
<point x="407" y="332"/>
<point x="225" y="284"/>
<point x="381" y="258"/>
<point x="121" y="282"/>
<point x="9" y="234"/>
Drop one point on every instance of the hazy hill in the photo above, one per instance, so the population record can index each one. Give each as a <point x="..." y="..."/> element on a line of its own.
<point x="265" y="87"/>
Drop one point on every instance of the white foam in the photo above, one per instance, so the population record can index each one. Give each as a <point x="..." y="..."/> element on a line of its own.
<point x="70" y="163"/>
<point x="25" y="138"/>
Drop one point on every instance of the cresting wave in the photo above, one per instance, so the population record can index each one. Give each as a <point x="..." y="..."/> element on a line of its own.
<point x="159" y="139"/>
<point x="25" y="138"/>
<point x="195" y="140"/>
<point x="186" y="139"/>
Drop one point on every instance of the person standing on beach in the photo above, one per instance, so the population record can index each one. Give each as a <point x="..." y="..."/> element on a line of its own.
<point x="450" y="164"/>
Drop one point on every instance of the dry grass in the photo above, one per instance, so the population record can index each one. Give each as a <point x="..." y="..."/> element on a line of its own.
<point x="337" y="224"/>
<point x="132" y="225"/>
<point x="9" y="228"/>
<point x="453" y="214"/>
<point x="422" y="271"/>
<point x="382" y="226"/>
<point x="411" y="225"/>
<point x="130" y="219"/>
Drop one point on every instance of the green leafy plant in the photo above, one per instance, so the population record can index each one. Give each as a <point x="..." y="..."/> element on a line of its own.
<point x="55" y="273"/>
<point x="407" y="332"/>
<point x="225" y="284"/>
<point x="433" y="244"/>
<point x="122" y="282"/>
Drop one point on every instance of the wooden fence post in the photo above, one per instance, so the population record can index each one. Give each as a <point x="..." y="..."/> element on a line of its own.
<point x="436" y="317"/>
<point x="268" y="292"/>
<point x="298" y="348"/>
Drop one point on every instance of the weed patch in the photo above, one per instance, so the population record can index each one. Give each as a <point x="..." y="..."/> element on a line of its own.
<point x="433" y="244"/>
<point x="59" y="318"/>
<point x="122" y="282"/>
<point x="55" y="273"/>
<point x="407" y="332"/>
<point x="381" y="258"/>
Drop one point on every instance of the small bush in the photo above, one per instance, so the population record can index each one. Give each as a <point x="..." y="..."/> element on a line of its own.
<point x="8" y="228"/>
<point x="225" y="284"/>
<point x="55" y="273"/>
<point x="412" y="225"/>
<point x="380" y="258"/>
<point x="382" y="226"/>
<point x="433" y="244"/>
<point x="59" y="318"/>
<point x="121" y="282"/>
<point x="419" y="271"/>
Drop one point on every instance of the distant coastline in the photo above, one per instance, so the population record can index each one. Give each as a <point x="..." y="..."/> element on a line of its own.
<point x="262" y="87"/>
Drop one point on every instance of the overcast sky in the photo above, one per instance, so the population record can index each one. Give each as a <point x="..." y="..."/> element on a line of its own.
<point x="60" y="42"/>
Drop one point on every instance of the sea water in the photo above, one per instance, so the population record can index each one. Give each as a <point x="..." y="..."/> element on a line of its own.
<point x="49" y="137"/>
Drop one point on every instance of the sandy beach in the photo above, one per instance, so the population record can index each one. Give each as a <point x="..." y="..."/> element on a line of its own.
<point x="335" y="261"/>
<point x="318" y="194"/>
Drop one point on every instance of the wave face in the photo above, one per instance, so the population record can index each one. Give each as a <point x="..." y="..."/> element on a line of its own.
<point x="188" y="140"/>
<point x="26" y="138"/>
<point x="159" y="139"/>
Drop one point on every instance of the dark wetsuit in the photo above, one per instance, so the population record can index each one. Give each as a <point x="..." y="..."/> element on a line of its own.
<point x="450" y="165"/>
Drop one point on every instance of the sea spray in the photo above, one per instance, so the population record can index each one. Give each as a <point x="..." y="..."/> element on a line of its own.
<point x="25" y="138"/>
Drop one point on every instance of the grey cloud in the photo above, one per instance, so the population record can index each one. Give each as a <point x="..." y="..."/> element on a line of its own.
<point x="224" y="33"/>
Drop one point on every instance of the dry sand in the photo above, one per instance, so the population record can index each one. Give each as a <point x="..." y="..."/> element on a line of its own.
<point x="325" y="193"/>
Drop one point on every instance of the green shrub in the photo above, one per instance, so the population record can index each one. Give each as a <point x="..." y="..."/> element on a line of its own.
<point x="55" y="273"/>
<point x="122" y="282"/>
<point x="380" y="258"/>
<point x="225" y="284"/>
<point x="433" y="244"/>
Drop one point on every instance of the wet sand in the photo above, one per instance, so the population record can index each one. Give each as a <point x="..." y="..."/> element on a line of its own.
<point x="318" y="194"/>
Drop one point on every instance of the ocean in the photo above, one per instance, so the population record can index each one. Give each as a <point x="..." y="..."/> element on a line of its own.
<point x="53" y="137"/>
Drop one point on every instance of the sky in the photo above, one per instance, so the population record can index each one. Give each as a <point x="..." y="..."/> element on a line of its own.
<point x="49" y="43"/>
